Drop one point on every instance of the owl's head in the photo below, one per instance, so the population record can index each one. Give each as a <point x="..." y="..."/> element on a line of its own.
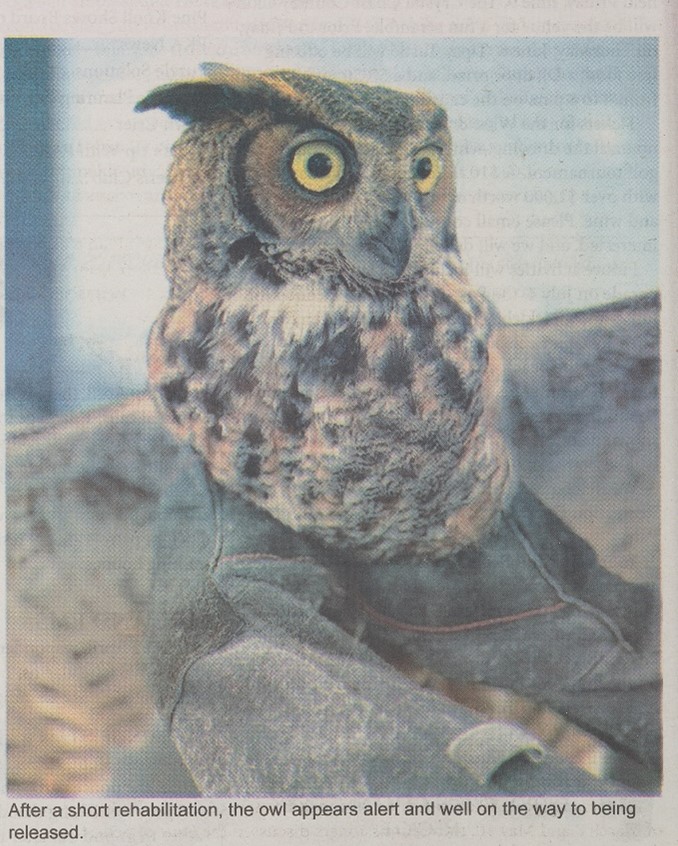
<point x="303" y="175"/>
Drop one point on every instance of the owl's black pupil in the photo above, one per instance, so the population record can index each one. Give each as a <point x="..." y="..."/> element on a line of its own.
<point x="424" y="168"/>
<point x="319" y="165"/>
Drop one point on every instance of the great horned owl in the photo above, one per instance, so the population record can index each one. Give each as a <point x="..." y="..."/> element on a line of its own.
<point x="321" y="347"/>
<point x="323" y="350"/>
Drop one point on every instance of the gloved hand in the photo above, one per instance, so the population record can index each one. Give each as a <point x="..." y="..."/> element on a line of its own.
<point x="529" y="608"/>
<point x="267" y="696"/>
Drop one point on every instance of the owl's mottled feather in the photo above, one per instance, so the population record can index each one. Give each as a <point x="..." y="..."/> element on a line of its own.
<point x="323" y="350"/>
<point x="362" y="429"/>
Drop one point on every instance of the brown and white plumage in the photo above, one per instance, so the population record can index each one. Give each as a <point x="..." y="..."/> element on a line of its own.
<point x="81" y="500"/>
<point x="322" y="349"/>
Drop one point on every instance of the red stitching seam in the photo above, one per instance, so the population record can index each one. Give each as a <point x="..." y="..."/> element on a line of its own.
<point x="412" y="627"/>
<point x="462" y="627"/>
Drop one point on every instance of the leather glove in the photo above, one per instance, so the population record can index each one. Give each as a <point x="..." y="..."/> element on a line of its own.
<point x="530" y="609"/>
<point x="267" y="696"/>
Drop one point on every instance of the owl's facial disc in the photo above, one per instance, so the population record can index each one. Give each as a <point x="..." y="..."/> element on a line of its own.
<point x="314" y="192"/>
<point x="325" y="169"/>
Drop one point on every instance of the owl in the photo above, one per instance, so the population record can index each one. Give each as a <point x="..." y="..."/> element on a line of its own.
<point x="321" y="347"/>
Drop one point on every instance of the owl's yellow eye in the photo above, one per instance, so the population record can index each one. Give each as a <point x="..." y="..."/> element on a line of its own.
<point x="427" y="167"/>
<point x="318" y="166"/>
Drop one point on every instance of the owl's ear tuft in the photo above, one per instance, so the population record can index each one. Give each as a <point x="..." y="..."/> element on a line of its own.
<point x="226" y="90"/>
<point x="268" y="85"/>
<point x="189" y="101"/>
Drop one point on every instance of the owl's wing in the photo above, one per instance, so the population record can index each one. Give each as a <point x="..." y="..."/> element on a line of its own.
<point x="81" y="498"/>
<point x="582" y="401"/>
<point x="582" y="409"/>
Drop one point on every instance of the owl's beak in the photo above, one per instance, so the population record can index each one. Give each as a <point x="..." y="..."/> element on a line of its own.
<point x="383" y="252"/>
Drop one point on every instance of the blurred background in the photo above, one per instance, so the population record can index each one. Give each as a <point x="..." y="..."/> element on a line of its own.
<point x="556" y="148"/>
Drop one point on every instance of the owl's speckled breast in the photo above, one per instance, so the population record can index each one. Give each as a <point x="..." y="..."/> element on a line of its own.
<point x="321" y="348"/>
<point x="370" y="424"/>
